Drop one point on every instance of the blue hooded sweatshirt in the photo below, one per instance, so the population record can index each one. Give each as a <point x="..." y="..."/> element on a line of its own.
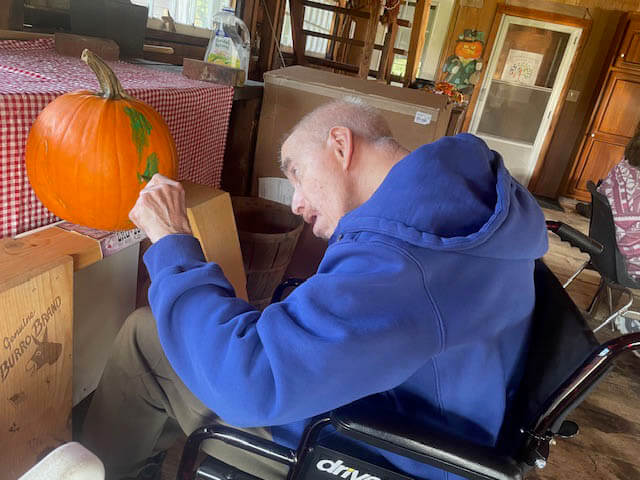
<point x="425" y="293"/>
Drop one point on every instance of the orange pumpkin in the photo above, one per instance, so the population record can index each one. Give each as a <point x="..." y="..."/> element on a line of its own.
<point x="89" y="154"/>
<point x="469" y="50"/>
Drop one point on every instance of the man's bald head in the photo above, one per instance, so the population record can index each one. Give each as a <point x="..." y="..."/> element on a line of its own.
<point x="364" y="121"/>
<point x="335" y="158"/>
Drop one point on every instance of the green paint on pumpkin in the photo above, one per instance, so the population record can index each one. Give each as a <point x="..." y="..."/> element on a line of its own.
<point x="151" y="170"/>
<point x="140" y="129"/>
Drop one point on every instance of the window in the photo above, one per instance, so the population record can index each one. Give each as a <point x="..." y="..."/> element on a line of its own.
<point x="315" y="20"/>
<point x="189" y="12"/>
<point x="435" y="36"/>
<point x="437" y="27"/>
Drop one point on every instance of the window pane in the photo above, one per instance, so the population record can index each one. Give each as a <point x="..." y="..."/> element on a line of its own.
<point x="315" y="20"/>
<point x="189" y="12"/>
<point x="522" y="82"/>
<point x="399" y="65"/>
<point x="427" y="35"/>
<point x="543" y="51"/>
<point x="514" y="111"/>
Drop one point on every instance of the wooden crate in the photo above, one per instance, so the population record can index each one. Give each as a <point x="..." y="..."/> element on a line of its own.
<point x="36" y="305"/>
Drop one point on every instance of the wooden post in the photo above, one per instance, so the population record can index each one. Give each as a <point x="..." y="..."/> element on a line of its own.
<point x="273" y="11"/>
<point x="370" y="38"/>
<point x="386" y="58"/>
<point x="297" y="26"/>
<point x="11" y="14"/>
<point x="416" y="42"/>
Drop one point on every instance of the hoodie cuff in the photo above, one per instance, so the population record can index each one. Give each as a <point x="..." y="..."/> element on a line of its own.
<point x="173" y="251"/>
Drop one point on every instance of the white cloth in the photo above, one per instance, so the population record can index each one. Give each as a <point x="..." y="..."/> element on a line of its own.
<point x="70" y="461"/>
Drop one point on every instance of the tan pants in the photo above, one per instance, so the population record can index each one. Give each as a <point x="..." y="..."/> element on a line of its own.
<point x="141" y="406"/>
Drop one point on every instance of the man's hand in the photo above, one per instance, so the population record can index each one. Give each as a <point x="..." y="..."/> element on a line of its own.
<point x="160" y="209"/>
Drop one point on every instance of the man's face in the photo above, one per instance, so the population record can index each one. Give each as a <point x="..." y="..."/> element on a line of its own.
<point x="319" y="185"/>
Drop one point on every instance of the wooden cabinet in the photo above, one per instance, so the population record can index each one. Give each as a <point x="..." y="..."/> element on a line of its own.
<point x="629" y="53"/>
<point x="614" y="125"/>
<point x="615" y="116"/>
<point x="599" y="155"/>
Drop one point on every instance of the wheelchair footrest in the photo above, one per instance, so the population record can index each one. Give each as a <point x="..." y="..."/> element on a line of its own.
<point x="322" y="463"/>
<point x="213" y="469"/>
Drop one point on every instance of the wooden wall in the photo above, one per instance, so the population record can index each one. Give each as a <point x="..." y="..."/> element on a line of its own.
<point x="464" y="18"/>
<point x="623" y="5"/>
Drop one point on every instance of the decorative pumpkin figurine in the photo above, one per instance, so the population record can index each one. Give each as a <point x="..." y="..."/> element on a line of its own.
<point x="463" y="66"/>
<point x="89" y="154"/>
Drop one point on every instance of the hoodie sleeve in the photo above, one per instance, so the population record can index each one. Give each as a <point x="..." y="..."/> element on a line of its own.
<point x="363" y="324"/>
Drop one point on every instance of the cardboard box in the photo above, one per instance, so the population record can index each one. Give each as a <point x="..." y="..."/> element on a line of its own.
<point x="415" y="118"/>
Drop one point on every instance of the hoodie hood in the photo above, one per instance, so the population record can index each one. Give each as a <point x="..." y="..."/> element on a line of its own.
<point x="455" y="195"/>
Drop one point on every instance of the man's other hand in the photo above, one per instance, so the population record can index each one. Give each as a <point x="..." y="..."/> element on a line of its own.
<point x="160" y="209"/>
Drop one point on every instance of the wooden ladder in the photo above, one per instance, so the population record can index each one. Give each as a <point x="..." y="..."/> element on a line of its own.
<point x="370" y="12"/>
<point x="340" y="46"/>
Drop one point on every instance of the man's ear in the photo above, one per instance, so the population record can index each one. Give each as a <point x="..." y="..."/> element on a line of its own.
<point x="341" y="144"/>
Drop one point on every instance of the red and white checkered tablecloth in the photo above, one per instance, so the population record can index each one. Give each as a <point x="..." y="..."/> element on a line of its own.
<point x="32" y="74"/>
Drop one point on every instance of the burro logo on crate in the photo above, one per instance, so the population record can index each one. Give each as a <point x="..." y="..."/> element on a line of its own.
<point x="337" y="468"/>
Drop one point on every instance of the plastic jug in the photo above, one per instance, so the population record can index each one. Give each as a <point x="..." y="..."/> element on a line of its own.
<point x="230" y="44"/>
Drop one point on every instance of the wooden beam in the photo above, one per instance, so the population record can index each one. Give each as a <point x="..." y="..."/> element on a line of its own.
<point x="337" y="38"/>
<point x="20" y="35"/>
<point x="386" y="59"/>
<point x="296" y="7"/>
<point x="396" y="51"/>
<point x="347" y="11"/>
<point x="416" y="42"/>
<point x="370" y="38"/>
<point x="331" y="64"/>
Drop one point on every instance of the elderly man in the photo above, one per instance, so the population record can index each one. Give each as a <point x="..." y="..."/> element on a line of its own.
<point x="424" y="296"/>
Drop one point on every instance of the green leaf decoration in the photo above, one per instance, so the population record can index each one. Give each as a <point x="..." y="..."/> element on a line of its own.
<point x="140" y="129"/>
<point x="151" y="170"/>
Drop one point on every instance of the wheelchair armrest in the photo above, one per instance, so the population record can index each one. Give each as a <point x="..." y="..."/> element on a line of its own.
<point x="399" y="435"/>
<point x="575" y="238"/>
<point x="284" y="286"/>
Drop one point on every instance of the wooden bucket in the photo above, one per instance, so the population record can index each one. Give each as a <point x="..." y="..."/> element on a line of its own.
<point x="268" y="234"/>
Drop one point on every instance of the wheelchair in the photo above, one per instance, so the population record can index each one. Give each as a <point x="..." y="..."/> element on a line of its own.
<point x="565" y="362"/>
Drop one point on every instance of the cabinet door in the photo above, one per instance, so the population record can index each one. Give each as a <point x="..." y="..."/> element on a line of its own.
<point x="629" y="53"/>
<point x="619" y="110"/>
<point x="615" y="122"/>
<point x="598" y="157"/>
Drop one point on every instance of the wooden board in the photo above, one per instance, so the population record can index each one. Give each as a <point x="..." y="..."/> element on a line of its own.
<point x="35" y="363"/>
<point x="213" y="224"/>
<point x="73" y="46"/>
<point x="210" y="72"/>
<point x="19" y="255"/>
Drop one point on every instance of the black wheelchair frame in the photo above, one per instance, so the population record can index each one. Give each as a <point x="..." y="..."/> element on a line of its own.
<point x="564" y="364"/>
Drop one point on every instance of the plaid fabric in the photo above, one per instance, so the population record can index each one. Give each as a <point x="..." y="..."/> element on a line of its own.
<point x="32" y="74"/>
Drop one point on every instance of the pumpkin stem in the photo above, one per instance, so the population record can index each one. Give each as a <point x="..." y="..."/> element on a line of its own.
<point x="110" y="87"/>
